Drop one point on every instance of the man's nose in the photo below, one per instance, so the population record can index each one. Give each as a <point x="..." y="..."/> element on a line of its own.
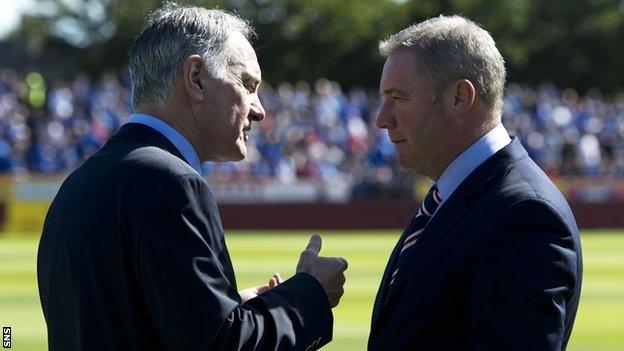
<point x="384" y="118"/>
<point x="256" y="112"/>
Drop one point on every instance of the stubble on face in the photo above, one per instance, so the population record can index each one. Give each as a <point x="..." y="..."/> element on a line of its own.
<point x="247" y="77"/>
<point x="409" y="113"/>
<point x="230" y="102"/>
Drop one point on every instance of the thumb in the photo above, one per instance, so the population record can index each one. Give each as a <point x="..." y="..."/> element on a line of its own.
<point x="315" y="244"/>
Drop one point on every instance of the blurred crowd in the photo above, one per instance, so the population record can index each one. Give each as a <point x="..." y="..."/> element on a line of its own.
<point x="320" y="132"/>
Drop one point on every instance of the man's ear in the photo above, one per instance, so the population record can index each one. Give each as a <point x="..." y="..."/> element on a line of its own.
<point x="194" y="82"/>
<point x="464" y="95"/>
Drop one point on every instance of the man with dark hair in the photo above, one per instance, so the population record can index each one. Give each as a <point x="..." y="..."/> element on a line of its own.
<point x="132" y="255"/>
<point x="492" y="258"/>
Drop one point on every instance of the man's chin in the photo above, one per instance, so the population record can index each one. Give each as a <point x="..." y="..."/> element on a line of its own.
<point x="238" y="158"/>
<point x="240" y="154"/>
<point x="237" y="155"/>
<point x="405" y="163"/>
<point x="409" y="164"/>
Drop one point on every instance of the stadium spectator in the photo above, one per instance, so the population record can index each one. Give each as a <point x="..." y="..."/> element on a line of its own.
<point x="319" y="132"/>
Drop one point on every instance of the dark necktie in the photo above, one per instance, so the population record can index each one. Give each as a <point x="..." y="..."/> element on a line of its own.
<point x="425" y="211"/>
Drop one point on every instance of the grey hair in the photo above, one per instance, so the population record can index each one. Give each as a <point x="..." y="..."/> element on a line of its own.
<point x="452" y="48"/>
<point x="173" y="33"/>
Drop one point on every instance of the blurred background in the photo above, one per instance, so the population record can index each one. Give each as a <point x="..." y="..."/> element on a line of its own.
<point x="317" y="162"/>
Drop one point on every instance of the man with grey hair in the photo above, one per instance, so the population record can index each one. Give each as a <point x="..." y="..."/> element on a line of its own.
<point x="492" y="258"/>
<point x="132" y="255"/>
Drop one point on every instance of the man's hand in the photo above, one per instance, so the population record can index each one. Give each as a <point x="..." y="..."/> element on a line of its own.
<point x="329" y="271"/>
<point x="250" y="293"/>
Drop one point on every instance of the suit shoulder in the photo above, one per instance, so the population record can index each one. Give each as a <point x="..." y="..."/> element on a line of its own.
<point x="524" y="178"/>
<point x="126" y="158"/>
<point x="143" y="169"/>
<point x="524" y="182"/>
<point x="155" y="160"/>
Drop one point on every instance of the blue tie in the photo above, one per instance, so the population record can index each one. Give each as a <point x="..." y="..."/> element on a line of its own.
<point x="419" y="222"/>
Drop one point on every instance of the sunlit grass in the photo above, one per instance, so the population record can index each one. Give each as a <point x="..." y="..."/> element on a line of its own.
<point x="256" y="255"/>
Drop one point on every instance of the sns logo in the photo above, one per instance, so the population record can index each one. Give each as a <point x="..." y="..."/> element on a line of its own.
<point x="6" y="337"/>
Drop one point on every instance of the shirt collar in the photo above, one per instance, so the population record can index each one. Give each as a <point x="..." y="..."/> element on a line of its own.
<point x="177" y="139"/>
<point x="470" y="159"/>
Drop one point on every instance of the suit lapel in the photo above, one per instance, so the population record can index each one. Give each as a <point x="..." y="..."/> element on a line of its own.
<point x="440" y="225"/>
<point x="382" y="292"/>
<point x="446" y="219"/>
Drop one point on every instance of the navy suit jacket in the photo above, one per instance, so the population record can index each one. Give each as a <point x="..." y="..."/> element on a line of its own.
<point x="132" y="257"/>
<point x="497" y="268"/>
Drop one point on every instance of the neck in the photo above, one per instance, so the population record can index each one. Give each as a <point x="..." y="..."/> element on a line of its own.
<point x="457" y="144"/>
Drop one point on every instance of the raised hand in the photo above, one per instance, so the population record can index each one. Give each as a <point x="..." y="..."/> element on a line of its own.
<point x="329" y="271"/>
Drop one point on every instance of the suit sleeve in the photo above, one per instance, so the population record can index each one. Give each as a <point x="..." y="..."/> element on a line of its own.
<point x="524" y="274"/>
<point x="183" y="268"/>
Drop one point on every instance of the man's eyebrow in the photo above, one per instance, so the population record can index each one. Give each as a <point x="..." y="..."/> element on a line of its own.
<point x="251" y="77"/>
<point x="391" y="91"/>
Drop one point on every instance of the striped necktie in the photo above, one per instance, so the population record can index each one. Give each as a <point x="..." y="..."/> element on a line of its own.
<point x="425" y="211"/>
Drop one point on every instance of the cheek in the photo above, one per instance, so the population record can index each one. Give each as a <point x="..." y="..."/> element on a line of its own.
<point x="239" y="119"/>
<point x="407" y="121"/>
<point x="240" y="109"/>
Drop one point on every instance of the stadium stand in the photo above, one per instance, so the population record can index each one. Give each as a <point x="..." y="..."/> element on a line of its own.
<point x="321" y="132"/>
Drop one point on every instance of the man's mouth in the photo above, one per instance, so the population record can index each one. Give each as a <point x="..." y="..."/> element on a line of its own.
<point x="245" y="135"/>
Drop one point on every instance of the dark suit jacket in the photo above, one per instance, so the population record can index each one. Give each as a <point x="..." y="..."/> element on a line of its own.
<point x="132" y="257"/>
<point x="497" y="268"/>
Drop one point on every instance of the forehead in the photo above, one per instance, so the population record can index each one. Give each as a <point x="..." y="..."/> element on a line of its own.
<point x="405" y="74"/>
<point x="242" y="56"/>
<point x="399" y="70"/>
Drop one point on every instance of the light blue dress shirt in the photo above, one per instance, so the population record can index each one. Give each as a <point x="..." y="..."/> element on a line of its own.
<point x="461" y="167"/>
<point x="177" y="139"/>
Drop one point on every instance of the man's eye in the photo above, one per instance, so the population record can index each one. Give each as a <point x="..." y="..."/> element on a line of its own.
<point x="251" y="87"/>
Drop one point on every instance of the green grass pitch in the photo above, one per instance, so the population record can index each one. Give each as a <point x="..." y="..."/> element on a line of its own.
<point x="256" y="255"/>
